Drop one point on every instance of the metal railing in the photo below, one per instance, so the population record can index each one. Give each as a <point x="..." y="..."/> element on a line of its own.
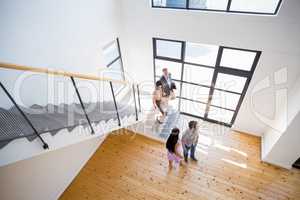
<point x="24" y="118"/>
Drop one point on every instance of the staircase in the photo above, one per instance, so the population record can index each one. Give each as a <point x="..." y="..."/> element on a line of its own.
<point x="23" y="128"/>
<point x="150" y="127"/>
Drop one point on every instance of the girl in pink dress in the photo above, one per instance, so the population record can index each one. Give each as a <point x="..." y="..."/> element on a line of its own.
<point x="173" y="146"/>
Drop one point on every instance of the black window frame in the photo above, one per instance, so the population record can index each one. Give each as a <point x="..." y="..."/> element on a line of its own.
<point x="217" y="70"/>
<point x="118" y="58"/>
<point x="187" y="7"/>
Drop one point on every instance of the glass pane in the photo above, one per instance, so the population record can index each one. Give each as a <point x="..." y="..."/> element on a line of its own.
<point x="225" y="99"/>
<point x="209" y="4"/>
<point x="201" y="54"/>
<point x="177" y="91"/>
<point x="170" y="3"/>
<point x="195" y="92"/>
<point x="12" y="122"/>
<point x="116" y="70"/>
<point x="220" y="115"/>
<point x="157" y="78"/>
<point x="230" y="82"/>
<point x="168" y="49"/>
<point x="49" y="102"/>
<point x="262" y="6"/>
<point x="173" y="67"/>
<point x="193" y="108"/>
<point x="91" y="93"/>
<point x="110" y="52"/>
<point x="197" y="74"/>
<point x="237" y="59"/>
<point x="117" y="88"/>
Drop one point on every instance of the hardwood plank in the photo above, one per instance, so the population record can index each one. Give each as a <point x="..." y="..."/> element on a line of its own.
<point x="131" y="166"/>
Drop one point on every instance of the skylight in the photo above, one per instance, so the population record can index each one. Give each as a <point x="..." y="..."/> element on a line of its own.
<point x="266" y="7"/>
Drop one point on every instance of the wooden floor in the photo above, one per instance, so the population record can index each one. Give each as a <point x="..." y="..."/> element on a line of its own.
<point x="129" y="166"/>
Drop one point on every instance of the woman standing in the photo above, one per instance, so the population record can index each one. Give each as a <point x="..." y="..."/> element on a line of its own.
<point x="173" y="147"/>
<point x="157" y="101"/>
<point x="190" y="140"/>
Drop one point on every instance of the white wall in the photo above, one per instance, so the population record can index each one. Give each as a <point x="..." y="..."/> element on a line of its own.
<point x="281" y="147"/>
<point x="67" y="35"/>
<point x="45" y="176"/>
<point x="276" y="36"/>
<point x="285" y="151"/>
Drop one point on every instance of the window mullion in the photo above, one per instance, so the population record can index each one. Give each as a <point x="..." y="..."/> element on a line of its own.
<point x="228" y="6"/>
<point x="183" y="47"/>
<point x="213" y="82"/>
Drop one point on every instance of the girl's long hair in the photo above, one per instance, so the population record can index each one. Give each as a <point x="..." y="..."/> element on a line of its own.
<point x="172" y="140"/>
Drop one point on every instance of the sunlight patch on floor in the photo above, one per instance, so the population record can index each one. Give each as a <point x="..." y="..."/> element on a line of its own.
<point x="241" y="165"/>
<point x="229" y="149"/>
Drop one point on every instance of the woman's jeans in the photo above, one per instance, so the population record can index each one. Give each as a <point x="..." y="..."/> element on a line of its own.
<point x="186" y="150"/>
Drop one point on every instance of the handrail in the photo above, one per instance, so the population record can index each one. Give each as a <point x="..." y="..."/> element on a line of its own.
<point x="72" y="76"/>
<point x="58" y="72"/>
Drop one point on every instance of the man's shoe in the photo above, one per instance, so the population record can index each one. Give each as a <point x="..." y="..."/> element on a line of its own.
<point x="194" y="159"/>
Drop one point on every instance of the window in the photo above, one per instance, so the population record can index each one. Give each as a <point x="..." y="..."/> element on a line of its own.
<point x="194" y="92"/>
<point x="116" y="70"/>
<point x="225" y="99"/>
<point x="259" y="6"/>
<point x="114" y="63"/>
<point x="170" y="3"/>
<point x="193" y="108"/>
<point x="197" y="74"/>
<point x="209" y="4"/>
<point x="111" y="52"/>
<point x="266" y="7"/>
<point x="238" y="59"/>
<point x="211" y="80"/>
<point x="201" y="54"/>
<point x="168" y="49"/>
<point x="174" y="67"/>
<point x="220" y="115"/>
<point x="230" y="82"/>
